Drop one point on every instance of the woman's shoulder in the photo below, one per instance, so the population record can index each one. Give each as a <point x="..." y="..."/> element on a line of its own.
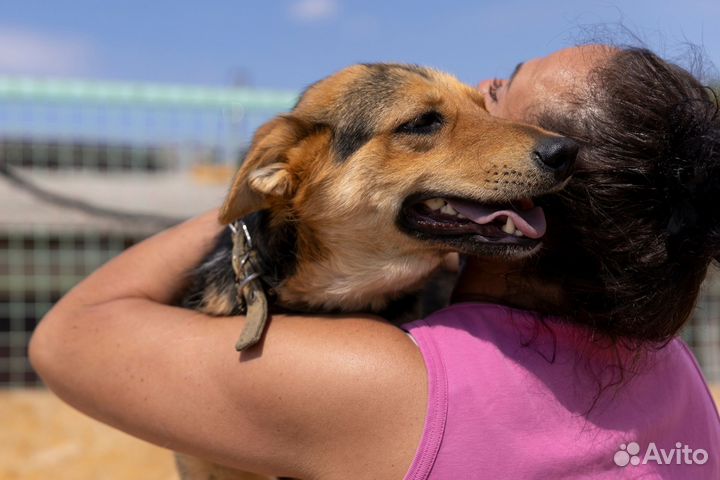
<point x="676" y="361"/>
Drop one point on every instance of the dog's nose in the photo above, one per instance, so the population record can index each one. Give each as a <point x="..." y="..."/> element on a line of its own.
<point x="557" y="154"/>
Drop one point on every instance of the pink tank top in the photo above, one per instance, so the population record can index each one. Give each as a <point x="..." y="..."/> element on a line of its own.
<point x="511" y="397"/>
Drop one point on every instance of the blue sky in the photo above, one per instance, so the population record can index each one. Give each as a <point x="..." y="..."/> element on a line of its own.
<point x="290" y="43"/>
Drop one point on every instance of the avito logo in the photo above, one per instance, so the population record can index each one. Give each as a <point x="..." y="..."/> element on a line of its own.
<point x="680" y="455"/>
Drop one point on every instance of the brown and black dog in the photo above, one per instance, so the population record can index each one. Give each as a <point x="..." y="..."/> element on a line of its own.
<point x="354" y="197"/>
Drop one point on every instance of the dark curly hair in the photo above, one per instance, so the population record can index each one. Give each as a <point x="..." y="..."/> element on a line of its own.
<point x="633" y="234"/>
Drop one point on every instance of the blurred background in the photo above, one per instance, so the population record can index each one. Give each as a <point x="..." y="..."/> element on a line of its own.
<point x="147" y="107"/>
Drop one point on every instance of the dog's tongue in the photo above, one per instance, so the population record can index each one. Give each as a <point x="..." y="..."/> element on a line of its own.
<point x="530" y="222"/>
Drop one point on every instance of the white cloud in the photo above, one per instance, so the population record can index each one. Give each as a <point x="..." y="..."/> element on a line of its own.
<point x="313" y="10"/>
<point x="25" y="51"/>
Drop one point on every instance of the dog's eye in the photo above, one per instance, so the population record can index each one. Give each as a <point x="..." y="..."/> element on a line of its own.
<point x="425" y="124"/>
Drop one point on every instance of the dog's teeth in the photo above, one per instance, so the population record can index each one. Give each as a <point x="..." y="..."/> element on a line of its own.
<point x="518" y="233"/>
<point x="460" y="215"/>
<point x="509" y="226"/>
<point x="448" y="210"/>
<point x="435" y="203"/>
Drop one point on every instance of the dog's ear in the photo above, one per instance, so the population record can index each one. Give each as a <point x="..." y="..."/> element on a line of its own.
<point x="264" y="172"/>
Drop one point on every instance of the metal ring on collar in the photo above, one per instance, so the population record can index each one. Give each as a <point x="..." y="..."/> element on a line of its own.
<point x="247" y="280"/>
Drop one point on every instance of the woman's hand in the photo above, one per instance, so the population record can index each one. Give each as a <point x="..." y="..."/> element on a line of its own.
<point x="320" y="397"/>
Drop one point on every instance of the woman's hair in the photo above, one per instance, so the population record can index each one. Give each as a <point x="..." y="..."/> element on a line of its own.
<point x="634" y="231"/>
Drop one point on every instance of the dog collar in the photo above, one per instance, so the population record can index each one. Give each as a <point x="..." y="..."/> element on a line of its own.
<point x="249" y="291"/>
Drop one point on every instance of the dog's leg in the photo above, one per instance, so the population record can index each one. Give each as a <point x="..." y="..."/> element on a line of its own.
<point x="191" y="468"/>
<point x="212" y="286"/>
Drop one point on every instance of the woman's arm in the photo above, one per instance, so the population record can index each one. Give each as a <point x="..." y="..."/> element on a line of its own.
<point x="319" y="397"/>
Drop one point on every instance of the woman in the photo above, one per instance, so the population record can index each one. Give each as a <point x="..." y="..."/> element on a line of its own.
<point x="474" y="391"/>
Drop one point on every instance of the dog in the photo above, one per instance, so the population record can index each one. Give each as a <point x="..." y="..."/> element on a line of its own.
<point x="353" y="198"/>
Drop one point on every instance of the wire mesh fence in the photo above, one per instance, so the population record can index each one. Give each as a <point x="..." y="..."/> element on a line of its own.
<point x="149" y="149"/>
<point x="143" y="148"/>
<point x="703" y="331"/>
<point x="37" y="266"/>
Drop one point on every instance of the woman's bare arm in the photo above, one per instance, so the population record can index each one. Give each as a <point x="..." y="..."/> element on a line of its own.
<point x="320" y="397"/>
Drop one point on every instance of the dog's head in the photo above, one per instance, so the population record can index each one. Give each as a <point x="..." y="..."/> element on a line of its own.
<point x="402" y="158"/>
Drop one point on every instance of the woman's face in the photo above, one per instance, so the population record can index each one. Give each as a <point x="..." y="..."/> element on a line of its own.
<point x="533" y="84"/>
<point x="541" y="80"/>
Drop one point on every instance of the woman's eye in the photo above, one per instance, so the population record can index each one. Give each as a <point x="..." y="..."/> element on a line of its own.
<point x="425" y="124"/>
<point x="493" y="89"/>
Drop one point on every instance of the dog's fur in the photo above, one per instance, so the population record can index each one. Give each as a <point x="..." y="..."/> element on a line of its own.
<point x="323" y="189"/>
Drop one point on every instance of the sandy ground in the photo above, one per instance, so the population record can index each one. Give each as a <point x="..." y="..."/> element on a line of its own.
<point x="41" y="438"/>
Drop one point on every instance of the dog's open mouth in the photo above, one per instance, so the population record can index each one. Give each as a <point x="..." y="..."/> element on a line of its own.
<point x="474" y="227"/>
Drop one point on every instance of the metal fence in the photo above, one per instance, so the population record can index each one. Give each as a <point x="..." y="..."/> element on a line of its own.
<point x="153" y="149"/>
<point x="703" y="332"/>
